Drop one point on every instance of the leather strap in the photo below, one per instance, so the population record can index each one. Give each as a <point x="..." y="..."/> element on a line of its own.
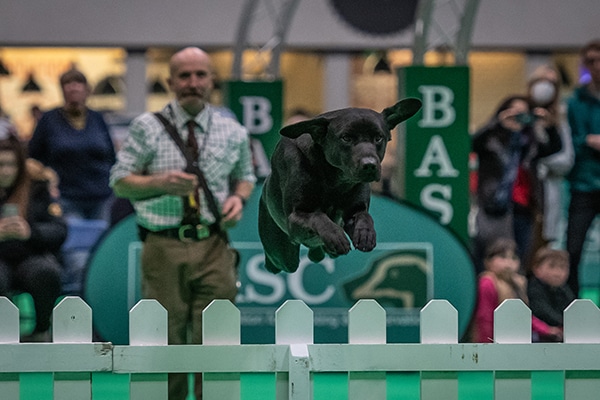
<point x="192" y="166"/>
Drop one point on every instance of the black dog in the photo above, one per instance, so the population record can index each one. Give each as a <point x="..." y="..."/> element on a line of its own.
<point x="319" y="188"/>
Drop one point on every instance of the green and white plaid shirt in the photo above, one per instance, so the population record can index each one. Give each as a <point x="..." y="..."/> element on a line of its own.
<point x="148" y="149"/>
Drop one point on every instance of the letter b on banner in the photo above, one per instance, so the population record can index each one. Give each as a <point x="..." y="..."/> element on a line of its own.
<point x="259" y="107"/>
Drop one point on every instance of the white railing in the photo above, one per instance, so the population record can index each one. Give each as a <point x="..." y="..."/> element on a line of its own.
<point x="366" y="368"/>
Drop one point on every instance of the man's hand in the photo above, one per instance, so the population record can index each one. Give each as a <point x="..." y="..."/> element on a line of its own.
<point x="177" y="183"/>
<point x="14" y="228"/>
<point x="140" y="187"/>
<point x="232" y="211"/>
<point x="593" y="140"/>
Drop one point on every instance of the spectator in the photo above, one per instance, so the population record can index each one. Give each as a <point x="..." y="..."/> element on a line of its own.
<point x="547" y="288"/>
<point x="583" y="112"/>
<point x="31" y="233"/>
<point x="75" y="141"/>
<point x="543" y="89"/>
<point x="297" y="115"/>
<point x="500" y="281"/>
<point x="508" y="148"/>
<point x="186" y="259"/>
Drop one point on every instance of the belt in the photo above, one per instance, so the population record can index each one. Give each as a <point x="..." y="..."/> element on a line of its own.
<point x="188" y="233"/>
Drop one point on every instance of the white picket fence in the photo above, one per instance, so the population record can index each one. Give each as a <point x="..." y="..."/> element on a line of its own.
<point x="365" y="368"/>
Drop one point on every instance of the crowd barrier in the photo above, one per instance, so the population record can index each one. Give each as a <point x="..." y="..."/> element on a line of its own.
<point x="295" y="368"/>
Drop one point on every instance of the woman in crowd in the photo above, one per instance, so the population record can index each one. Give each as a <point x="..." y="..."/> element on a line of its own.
<point x="508" y="149"/>
<point x="75" y="141"/>
<point x="31" y="232"/>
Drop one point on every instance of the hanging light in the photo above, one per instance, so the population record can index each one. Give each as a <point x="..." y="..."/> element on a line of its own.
<point x="157" y="87"/>
<point x="382" y="64"/>
<point x="111" y="84"/>
<point x="31" y="85"/>
<point x="3" y="70"/>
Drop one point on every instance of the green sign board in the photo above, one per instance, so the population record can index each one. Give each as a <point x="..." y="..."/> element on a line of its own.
<point x="259" y="107"/>
<point x="437" y="143"/>
<point x="416" y="260"/>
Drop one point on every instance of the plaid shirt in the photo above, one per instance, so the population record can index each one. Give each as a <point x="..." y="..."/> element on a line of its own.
<point x="148" y="149"/>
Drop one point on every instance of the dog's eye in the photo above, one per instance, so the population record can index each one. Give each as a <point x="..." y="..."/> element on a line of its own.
<point x="379" y="139"/>
<point x="347" y="138"/>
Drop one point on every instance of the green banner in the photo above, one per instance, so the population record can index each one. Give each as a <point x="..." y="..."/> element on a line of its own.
<point x="437" y="144"/>
<point x="408" y="268"/>
<point x="259" y="107"/>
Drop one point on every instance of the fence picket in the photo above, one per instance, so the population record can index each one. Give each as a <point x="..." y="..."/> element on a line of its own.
<point x="582" y="322"/>
<point x="147" y="327"/>
<point x="9" y="333"/>
<point x="221" y="326"/>
<point x="294" y="326"/>
<point x="366" y="325"/>
<point x="512" y="322"/>
<point x="9" y="315"/>
<point x="439" y="322"/>
<point x="439" y="325"/>
<point x="512" y="385"/>
<point x="582" y="325"/>
<point x="72" y="323"/>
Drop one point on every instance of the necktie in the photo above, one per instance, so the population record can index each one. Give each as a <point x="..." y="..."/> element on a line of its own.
<point x="192" y="143"/>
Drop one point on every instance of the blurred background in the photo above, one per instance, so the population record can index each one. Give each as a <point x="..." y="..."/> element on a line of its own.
<point x="330" y="54"/>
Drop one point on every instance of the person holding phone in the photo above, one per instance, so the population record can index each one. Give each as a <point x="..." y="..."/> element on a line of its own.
<point x="32" y="231"/>
<point x="508" y="148"/>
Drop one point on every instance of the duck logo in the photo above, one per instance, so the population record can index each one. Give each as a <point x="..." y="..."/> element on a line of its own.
<point x="399" y="279"/>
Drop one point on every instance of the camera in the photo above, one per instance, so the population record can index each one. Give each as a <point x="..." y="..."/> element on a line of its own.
<point x="526" y="119"/>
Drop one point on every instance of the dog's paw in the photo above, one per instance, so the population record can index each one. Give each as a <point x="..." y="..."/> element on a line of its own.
<point x="336" y="243"/>
<point x="364" y="239"/>
<point x="316" y="254"/>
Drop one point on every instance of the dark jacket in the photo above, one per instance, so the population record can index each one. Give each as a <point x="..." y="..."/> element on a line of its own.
<point x="584" y="118"/>
<point x="81" y="158"/>
<point x="494" y="147"/>
<point x="548" y="303"/>
<point x="48" y="228"/>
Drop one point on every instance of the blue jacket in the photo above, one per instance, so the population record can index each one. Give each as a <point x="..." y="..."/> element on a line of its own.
<point x="584" y="118"/>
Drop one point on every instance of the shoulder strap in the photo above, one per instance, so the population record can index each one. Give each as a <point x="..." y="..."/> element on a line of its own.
<point x="192" y="166"/>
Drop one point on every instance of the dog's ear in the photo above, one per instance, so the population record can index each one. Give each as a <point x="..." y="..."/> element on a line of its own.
<point x="401" y="111"/>
<point x="316" y="127"/>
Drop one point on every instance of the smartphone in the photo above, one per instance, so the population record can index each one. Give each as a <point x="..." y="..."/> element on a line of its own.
<point x="9" y="210"/>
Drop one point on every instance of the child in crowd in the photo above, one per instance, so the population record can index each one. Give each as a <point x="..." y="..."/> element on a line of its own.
<point x="547" y="288"/>
<point x="500" y="281"/>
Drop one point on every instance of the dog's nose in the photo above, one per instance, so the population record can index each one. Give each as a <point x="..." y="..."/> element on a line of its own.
<point x="369" y="169"/>
<point x="368" y="164"/>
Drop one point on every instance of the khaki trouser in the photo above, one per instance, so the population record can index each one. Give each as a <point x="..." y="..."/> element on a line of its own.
<point x="185" y="277"/>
